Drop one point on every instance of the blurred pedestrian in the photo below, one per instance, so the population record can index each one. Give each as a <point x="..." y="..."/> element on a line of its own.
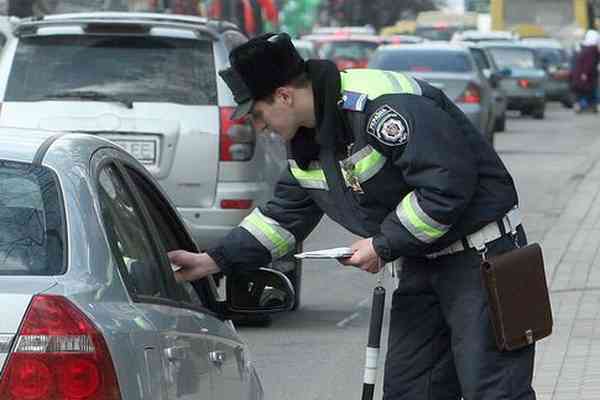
<point x="395" y="161"/>
<point x="584" y="78"/>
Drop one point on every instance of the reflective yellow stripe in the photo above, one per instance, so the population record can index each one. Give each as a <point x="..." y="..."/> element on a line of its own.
<point x="417" y="222"/>
<point x="375" y="83"/>
<point x="373" y="160"/>
<point x="269" y="233"/>
<point x="311" y="178"/>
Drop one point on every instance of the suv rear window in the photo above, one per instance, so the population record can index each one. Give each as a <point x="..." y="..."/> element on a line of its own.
<point x="422" y="61"/>
<point x="31" y="221"/>
<point x="141" y="69"/>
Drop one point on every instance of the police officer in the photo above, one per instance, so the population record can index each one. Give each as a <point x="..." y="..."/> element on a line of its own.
<point x="393" y="160"/>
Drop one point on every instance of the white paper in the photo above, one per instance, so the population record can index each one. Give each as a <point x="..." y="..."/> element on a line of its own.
<point x="338" y="252"/>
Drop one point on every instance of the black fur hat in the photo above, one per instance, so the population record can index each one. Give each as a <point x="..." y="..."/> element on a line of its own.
<point x="260" y="66"/>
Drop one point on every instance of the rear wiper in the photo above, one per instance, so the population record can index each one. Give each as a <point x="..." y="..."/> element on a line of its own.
<point x="90" y="95"/>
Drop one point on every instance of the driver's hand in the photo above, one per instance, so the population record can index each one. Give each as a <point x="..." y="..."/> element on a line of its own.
<point x="193" y="266"/>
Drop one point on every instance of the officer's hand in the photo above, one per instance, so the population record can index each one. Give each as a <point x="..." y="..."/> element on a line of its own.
<point x="193" y="265"/>
<point x="364" y="256"/>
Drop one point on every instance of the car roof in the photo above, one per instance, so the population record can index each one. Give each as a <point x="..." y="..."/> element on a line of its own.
<point x="23" y="144"/>
<point x="506" y="45"/>
<point x="343" y="38"/>
<point x="425" y="46"/>
<point x="150" y="19"/>
<point x="542" y="42"/>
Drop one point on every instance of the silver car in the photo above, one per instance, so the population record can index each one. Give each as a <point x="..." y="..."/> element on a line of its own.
<point x="90" y="307"/>
<point x="450" y="68"/>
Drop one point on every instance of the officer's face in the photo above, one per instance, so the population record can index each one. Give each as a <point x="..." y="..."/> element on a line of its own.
<point x="277" y="116"/>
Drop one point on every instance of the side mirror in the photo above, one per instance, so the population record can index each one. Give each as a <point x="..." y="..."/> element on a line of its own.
<point x="263" y="291"/>
<point x="487" y="73"/>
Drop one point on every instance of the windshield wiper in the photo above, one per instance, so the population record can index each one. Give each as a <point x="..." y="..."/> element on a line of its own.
<point x="89" y="95"/>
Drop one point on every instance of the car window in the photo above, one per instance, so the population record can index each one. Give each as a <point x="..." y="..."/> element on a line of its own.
<point x="142" y="69"/>
<point x="32" y="232"/>
<point x="480" y="59"/>
<point x="552" y="56"/>
<point x="168" y="228"/>
<point x="128" y="236"/>
<point x="513" y="58"/>
<point x="423" y="61"/>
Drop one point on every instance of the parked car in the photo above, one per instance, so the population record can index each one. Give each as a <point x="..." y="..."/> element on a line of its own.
<point x="150" y="83"/>
<point x="448" y="67"/>
<point x="490" y="70"/>
<point x="346" y="50"/>
<point x="91" y="308"/>
<point x="555" y="59"/>
<point x="525" y="78"/>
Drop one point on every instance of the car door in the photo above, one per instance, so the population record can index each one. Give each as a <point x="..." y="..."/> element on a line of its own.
<point x="226" y="357"/>
<point x="175" y="342"/>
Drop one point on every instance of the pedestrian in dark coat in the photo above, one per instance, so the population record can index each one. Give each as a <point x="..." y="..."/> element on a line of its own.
<point x="585" y="74"/>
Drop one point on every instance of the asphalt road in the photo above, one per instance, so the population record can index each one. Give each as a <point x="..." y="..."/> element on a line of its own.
<point x="318" y="351"/>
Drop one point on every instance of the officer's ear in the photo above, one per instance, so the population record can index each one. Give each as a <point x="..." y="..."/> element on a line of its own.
<point x="285" y="95"/>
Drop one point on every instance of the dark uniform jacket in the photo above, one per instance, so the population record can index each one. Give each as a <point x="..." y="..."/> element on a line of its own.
<point x="391" y="158"/>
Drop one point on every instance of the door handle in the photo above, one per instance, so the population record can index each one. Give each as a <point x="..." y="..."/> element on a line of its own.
<point x="217" y="357"/>
<point x="176" y="353"/>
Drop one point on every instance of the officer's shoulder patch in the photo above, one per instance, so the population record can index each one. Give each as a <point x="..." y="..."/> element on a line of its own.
<point x="388" y="126"/>
<point x="354" y="101"/>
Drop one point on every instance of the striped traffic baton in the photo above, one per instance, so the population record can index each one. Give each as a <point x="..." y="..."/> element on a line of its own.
<point x="373" y="344"/>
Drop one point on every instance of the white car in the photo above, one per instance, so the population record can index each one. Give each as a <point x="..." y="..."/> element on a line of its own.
<point x="150" y="83"/>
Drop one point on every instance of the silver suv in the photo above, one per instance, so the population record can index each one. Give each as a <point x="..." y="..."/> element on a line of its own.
<point x="150" y="83"/>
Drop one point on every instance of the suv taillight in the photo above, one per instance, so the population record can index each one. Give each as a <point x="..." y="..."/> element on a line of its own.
<point x="471" y="95"/>
<point x="237" y="137"/>
<point x="58" y="354"/>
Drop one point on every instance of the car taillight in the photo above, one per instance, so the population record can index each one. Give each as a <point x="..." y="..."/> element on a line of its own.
<point x="524" y="83"/>
<point x="237" y="204"/>
<point x="59" y="354"/>
<point x="471" y="95"/>
<point x="237" y="137"/>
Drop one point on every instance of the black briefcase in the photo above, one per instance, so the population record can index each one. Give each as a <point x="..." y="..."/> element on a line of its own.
<point x="518" y="297"/>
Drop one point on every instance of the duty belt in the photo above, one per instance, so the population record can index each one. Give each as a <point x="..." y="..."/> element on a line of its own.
<point x="487" y="234"/>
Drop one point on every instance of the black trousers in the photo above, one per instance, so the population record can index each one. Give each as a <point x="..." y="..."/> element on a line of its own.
<point x="441" y="343"/>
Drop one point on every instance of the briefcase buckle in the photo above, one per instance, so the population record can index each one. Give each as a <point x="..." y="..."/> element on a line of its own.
<point x="529" y="336"/>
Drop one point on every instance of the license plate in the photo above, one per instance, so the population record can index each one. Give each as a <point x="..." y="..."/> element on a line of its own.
<point x="143" y="148"/>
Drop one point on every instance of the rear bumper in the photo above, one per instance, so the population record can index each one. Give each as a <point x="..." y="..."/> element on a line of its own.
<point x="557" y="90"/>
<point x="525" y="100"/>
<point x="209" y="225"/>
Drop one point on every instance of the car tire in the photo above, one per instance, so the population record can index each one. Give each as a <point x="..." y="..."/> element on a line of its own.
<point x="539" y="112"/>
<point x="568" y="101"/>
<point x="500" y="124"/>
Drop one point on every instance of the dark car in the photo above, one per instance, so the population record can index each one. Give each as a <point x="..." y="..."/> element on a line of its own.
<point x="525" y="79"/>
<point x="449" y="68"/>
<point x="554" y="58"/>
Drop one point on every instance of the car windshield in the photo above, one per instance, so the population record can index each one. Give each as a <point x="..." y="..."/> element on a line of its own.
<point x="513" y="58"/>
<point x="31" y="221"/>
<point x="146" y="69"/>
<point x="422" y="61"/>
<point x="352" y="50"/>
<point x="552" y="56"/>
